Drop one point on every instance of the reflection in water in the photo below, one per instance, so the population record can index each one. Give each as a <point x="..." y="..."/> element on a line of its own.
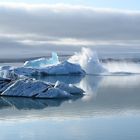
<point x="90" y="85"/>
<point x="29" y="103"/>
<point x="106" y="95"/>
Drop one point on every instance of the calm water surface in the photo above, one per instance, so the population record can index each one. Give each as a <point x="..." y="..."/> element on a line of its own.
<point x="110" y="110"/>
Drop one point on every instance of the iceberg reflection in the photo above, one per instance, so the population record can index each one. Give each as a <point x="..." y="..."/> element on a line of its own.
<point x="28" y="103"/>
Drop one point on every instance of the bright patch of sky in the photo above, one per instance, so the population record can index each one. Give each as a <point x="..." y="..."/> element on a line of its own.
<point x="117" y="4"/>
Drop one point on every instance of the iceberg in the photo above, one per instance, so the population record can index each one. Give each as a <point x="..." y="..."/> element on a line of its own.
<point x="32" y="88"/>
<point x="43" y="62"/>
<point x="85" y="62"/>
<point x="64" y="68"/>
<point x="89" y="62"/>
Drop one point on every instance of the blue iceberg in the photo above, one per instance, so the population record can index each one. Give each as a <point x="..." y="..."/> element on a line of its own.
<point x="28" y="87"/>
<point x="85" y="62"/>
<point x="43" y="62"/>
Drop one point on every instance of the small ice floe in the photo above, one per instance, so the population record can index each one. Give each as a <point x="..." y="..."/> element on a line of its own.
<point x="38" y="89"/>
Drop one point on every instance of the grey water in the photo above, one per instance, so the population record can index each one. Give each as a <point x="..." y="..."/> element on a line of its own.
<point x="110" y="110"/>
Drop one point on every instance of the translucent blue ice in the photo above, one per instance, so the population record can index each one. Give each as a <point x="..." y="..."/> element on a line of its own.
<point x="43" y="62"/>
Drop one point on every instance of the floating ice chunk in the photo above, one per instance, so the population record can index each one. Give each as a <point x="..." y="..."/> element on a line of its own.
<point x="85" y="62"/>
<point x="64" y="68"/>
<point x="25" y="88"/>
<point x="69" y="88"/>
<point x="42" y="62"/>
<point x="37" y="89"/>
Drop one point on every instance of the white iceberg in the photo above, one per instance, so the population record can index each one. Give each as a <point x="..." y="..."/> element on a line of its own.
<point x="88" y="60"/>
<point x="43" y="62"/>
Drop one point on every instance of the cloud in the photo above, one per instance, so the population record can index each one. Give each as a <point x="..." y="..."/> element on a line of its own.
<point x="67" y="25"/>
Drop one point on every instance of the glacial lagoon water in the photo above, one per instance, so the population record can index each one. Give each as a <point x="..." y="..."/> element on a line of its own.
<point x="110" y="110"/>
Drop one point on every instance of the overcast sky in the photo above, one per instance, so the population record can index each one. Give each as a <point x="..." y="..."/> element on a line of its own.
<point x="29" y="28"/>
